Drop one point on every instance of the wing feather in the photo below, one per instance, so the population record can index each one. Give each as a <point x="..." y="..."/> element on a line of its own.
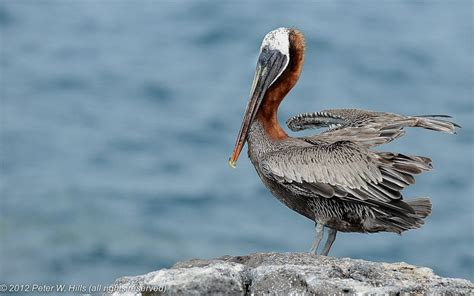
<point x="343" y="170"/>
<point x="367" y="128"/>
<point x="338" y="162"/>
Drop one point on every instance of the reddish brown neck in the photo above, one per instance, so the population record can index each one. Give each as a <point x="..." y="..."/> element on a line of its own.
<point x="267" y="113"/>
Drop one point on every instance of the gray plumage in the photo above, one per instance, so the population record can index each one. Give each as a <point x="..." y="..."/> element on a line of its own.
<point x="334" y="179"/>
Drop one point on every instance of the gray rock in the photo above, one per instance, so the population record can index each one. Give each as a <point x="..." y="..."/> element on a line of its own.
<point x="290" y="274"/>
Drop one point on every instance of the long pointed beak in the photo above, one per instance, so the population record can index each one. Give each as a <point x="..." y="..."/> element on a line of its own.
<point x="271" y="64"/>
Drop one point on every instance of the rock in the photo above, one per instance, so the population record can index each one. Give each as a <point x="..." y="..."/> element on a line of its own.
<point x="289" y="274"/>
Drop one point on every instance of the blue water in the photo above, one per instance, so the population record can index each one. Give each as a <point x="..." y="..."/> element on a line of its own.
<point x="117" y="120"/>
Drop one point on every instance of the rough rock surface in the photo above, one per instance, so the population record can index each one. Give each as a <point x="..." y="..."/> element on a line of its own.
<point x="290" y="274"/>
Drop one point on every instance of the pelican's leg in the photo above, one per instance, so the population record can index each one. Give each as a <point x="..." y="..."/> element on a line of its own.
<point x="317" y="238"/>
<point x="331" y="239"/>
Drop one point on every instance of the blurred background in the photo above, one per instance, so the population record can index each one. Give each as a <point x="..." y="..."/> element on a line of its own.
<point x="118" y="117"/>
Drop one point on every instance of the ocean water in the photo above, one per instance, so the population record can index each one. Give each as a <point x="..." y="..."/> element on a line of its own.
<point x="118" y="117"/>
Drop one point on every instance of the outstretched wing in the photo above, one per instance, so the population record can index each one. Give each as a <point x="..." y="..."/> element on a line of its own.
<point x="367" y="128"/>
<point x="344" y="170"/>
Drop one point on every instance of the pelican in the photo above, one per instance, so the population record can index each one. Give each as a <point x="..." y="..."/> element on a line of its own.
<point x="332" y="178"/>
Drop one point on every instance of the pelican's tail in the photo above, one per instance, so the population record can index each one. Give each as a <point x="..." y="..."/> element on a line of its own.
<point x="421" y="206"/>
<point x="401" y="215"/>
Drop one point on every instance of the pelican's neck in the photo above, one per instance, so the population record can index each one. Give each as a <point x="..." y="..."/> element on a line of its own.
<point x="268" y="112"/>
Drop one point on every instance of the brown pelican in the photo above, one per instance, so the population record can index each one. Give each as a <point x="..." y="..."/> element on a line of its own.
<point x="332" y="178"/>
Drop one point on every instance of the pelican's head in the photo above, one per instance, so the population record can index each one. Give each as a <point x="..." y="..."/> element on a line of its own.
<point x="272" y="62"/>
